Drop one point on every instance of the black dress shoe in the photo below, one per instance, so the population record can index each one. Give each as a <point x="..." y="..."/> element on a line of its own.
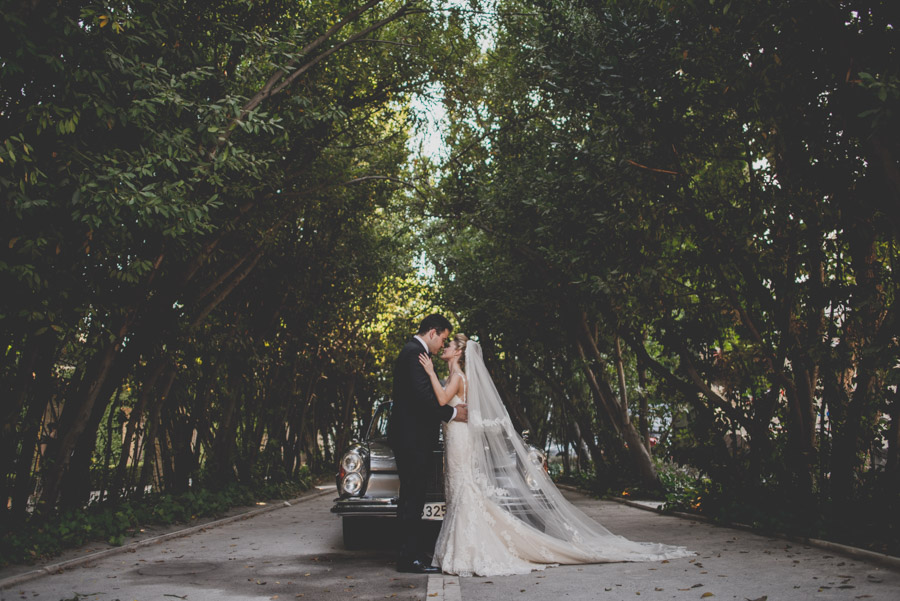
<point x="417" y="567"/>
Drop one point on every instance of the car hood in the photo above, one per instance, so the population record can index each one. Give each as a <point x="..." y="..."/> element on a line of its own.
<point x="381" y="457"/>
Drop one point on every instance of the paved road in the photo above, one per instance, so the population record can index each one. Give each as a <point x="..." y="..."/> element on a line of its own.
<point x="297" y="553"/>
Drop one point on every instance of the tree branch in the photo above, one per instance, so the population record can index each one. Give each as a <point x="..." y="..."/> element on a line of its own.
<point x="275" y="84"/>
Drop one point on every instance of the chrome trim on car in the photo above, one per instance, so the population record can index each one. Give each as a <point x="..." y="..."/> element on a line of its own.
<point x="383" y="485"/>
<point x="368" y="507"/>
<point x="381" y="457"/>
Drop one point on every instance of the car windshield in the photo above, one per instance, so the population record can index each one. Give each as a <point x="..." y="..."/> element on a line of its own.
<point x="379" y="427"/>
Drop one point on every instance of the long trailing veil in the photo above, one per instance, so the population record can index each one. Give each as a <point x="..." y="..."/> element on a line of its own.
<point x="508" y="476"/>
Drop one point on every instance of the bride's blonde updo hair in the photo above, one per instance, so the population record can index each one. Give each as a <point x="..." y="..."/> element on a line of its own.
<point x="459" y="341"/>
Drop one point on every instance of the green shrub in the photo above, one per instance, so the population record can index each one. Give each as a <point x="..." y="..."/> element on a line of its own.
<point x="684" y="487"/>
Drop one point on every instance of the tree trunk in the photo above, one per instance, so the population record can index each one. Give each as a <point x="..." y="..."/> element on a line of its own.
<point x="620" y="371"/>
<point x="643" y="408"/>
<point x="128" y="453"/>
<point x="222" y="460"/>
<point x="107" y="452"/>
<point x="79" y="409"/>
<point x="31" y="389"/>
<point x="30" y="434"/>
<point x="76" y="481"/>
<point x="166" y="444"/>
<point x="152" y="439"/>
<point x="165" y="456"/>
<point x="182" y="456"/>
<point x="892" y="467"/>
<point x="853" y="429"/>
<point x="761" y="447"/>
<point x="39" y="395"/>
<point x="346" y="429"/>
<point x="616" y="415"/>
<point x="583" y="426"/>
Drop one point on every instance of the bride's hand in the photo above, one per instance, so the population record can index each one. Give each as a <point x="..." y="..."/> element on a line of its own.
<point x="425" y="360"/>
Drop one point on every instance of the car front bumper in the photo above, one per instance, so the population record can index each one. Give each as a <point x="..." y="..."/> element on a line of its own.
<point x="362" y="506"/>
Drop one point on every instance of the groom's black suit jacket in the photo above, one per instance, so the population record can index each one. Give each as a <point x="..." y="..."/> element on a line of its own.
<point x="416" y="414"/>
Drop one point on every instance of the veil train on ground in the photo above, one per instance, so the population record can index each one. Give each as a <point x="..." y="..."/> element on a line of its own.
<point x="509" y="479"/>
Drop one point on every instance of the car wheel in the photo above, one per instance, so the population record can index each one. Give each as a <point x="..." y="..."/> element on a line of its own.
<point x="356" y="532"/>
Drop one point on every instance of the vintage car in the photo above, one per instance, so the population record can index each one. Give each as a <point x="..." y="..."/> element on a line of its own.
<point x="368" y="485"/>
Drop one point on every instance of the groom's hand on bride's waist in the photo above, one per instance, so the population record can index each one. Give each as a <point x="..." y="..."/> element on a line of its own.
<point x="462" y="413"/>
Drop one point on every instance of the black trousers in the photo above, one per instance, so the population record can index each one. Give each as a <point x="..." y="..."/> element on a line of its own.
<point x="412" y="467"/>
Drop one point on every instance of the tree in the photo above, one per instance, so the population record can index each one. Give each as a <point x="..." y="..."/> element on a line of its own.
<point x="694" y="188"/>
<point x="161" y="162"/>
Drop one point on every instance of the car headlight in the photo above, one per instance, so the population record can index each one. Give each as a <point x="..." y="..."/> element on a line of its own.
<point x="352" y="462"/>
<point x="531" y="481"/>
<point x="352" y="483"/>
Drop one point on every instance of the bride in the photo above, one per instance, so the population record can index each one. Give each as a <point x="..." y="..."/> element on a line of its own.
<point x="504" y="514"/>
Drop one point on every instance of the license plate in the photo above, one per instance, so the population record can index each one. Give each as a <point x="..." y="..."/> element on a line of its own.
<point x="434" y="511"/>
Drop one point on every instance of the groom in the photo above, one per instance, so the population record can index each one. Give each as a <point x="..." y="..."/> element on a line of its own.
<point x="413" y="435"/>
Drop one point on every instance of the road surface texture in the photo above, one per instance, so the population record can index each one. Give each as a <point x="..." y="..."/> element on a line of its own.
<point x="296" y="552"/>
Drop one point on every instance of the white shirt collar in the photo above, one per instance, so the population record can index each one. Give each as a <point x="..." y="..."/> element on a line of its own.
<point x="422" y="340"/>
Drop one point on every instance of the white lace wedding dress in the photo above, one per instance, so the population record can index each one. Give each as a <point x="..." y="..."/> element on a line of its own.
<point x="504" y="514"/>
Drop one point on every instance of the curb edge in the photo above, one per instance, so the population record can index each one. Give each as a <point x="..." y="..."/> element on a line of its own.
<point x="854" y="552"/>
<point x="56" y="568"/>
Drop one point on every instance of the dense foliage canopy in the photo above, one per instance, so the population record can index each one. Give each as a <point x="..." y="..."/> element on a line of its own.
<point x="675" y="220"/>
<point x="202" y="267"/>
<point x="695" y="202"/>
